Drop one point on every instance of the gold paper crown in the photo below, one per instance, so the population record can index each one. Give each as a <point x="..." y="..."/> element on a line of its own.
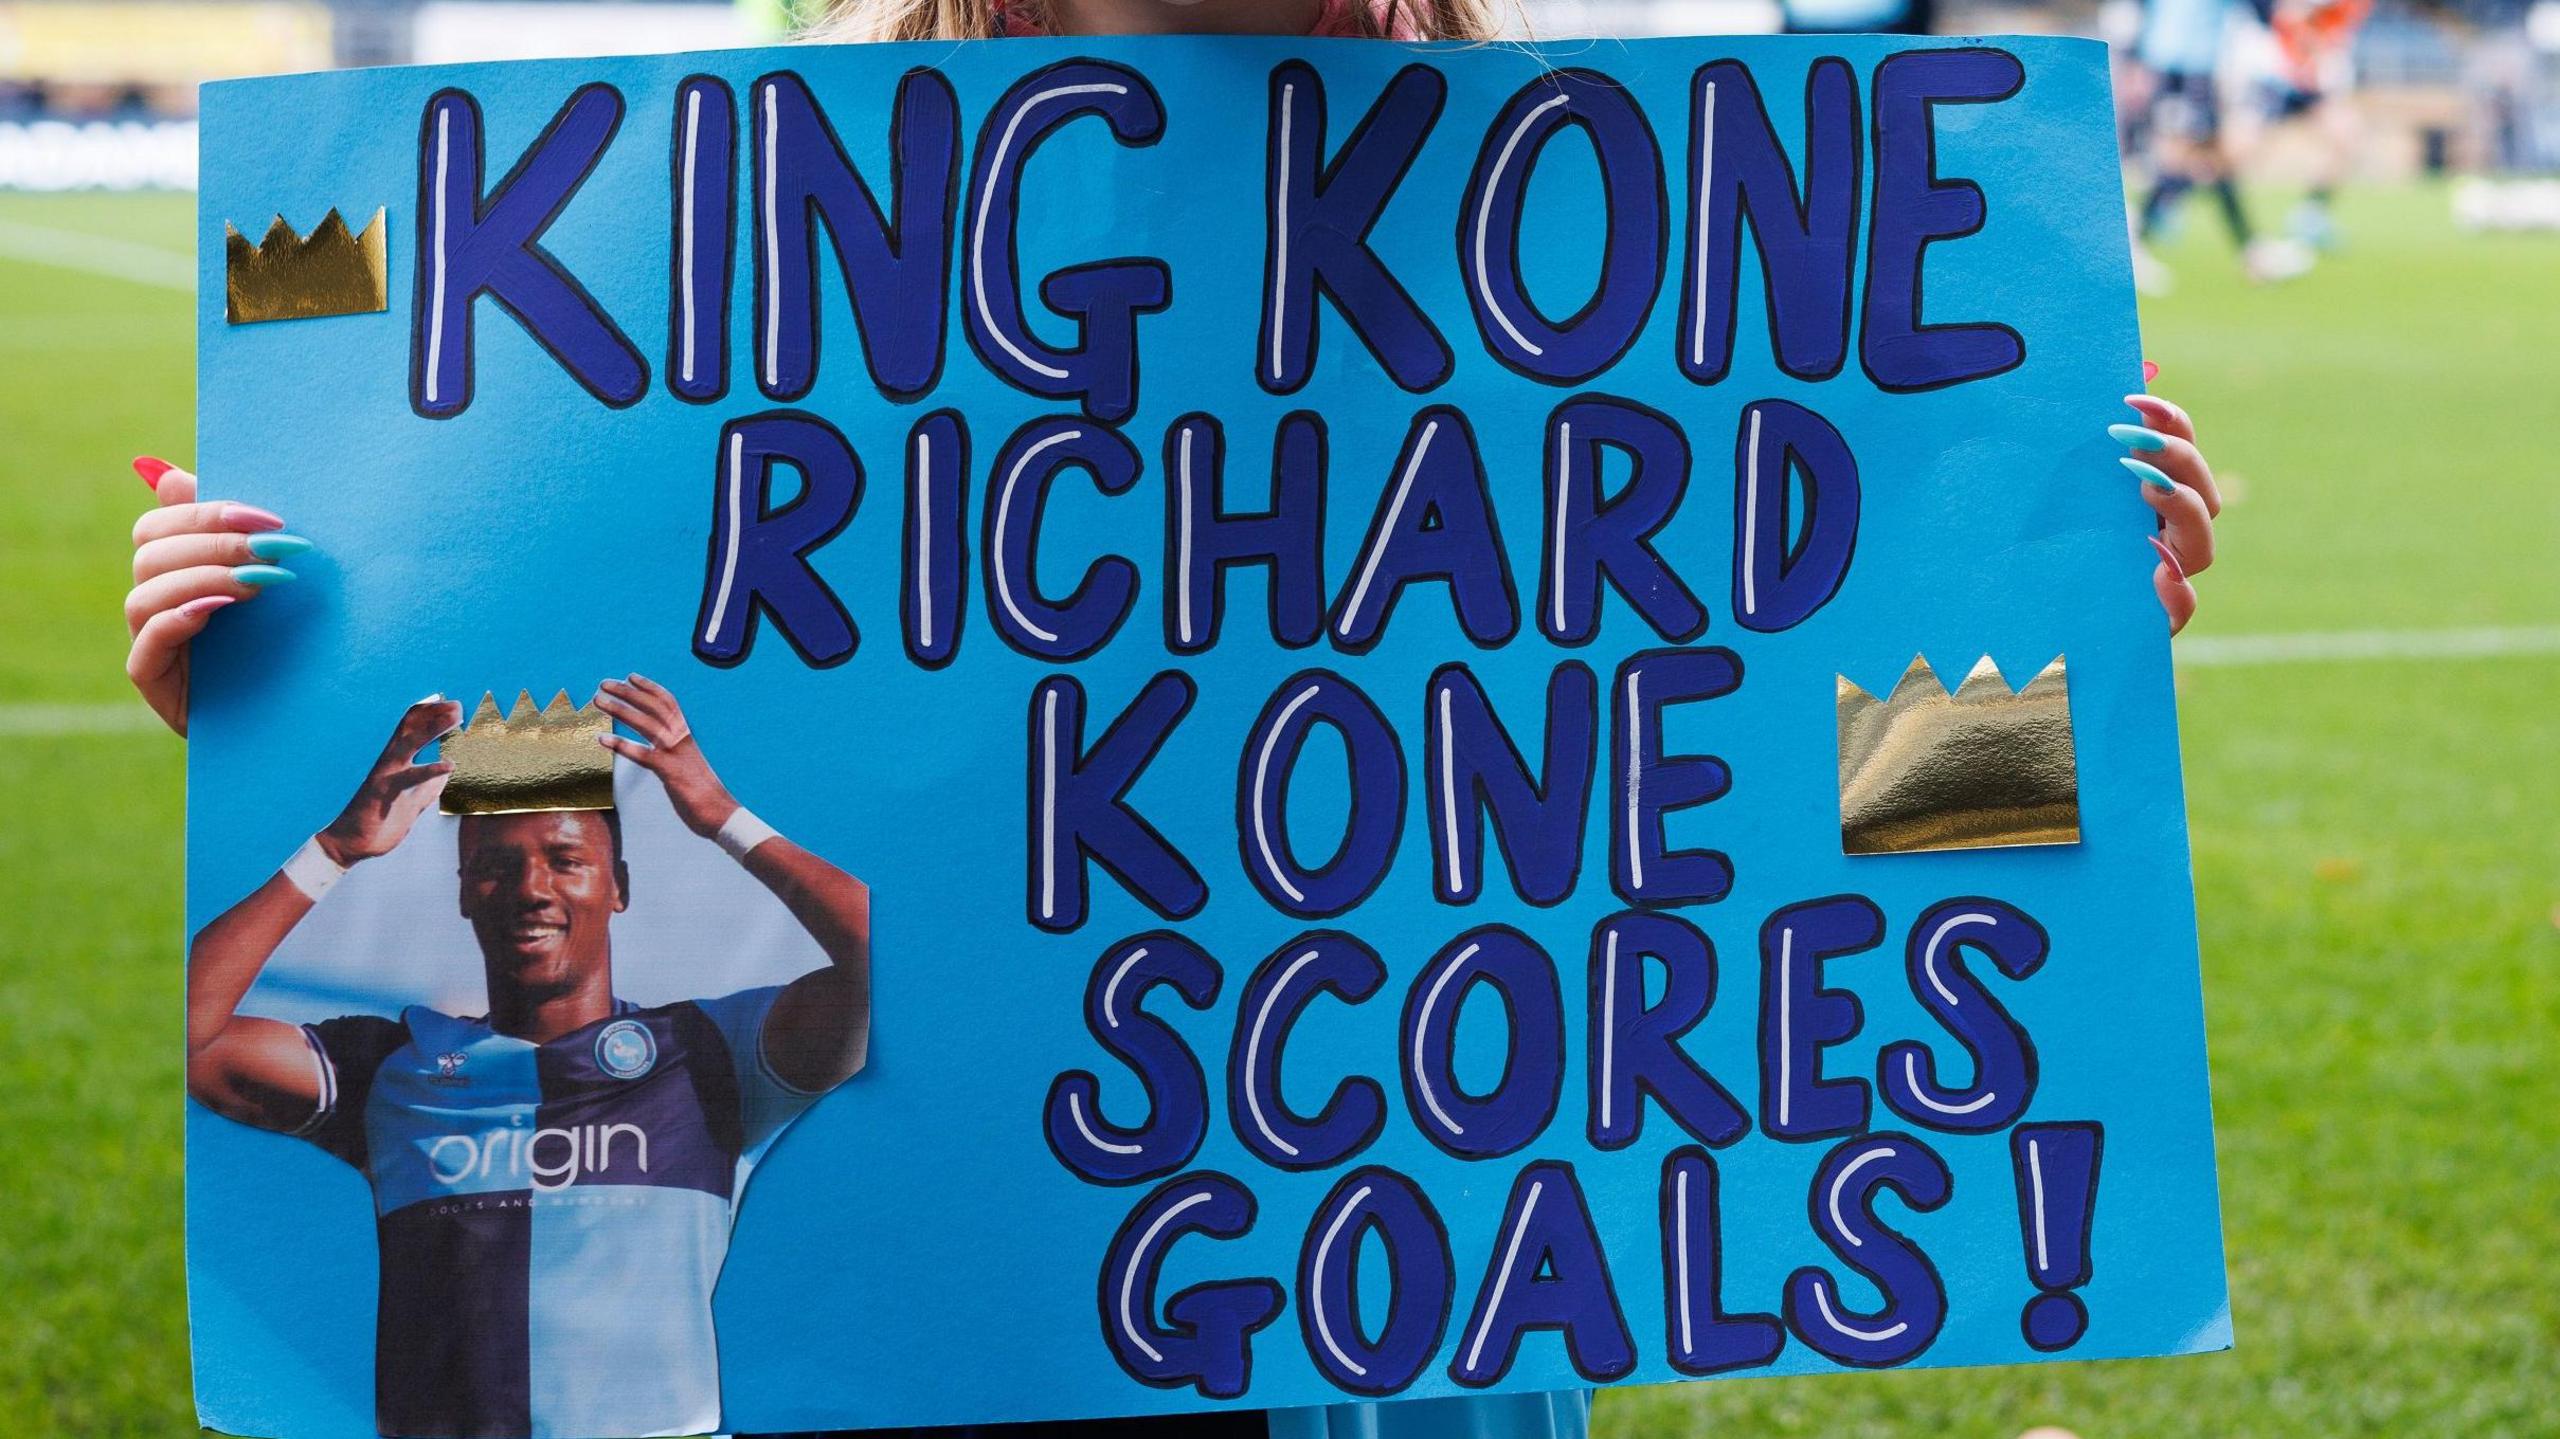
<point x="1979" y="769"/>
<point x="296" y="277"/>
<point x="530" y="760"/>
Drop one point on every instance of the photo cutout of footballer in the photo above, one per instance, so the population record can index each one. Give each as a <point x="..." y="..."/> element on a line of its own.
<point x="566" y="1144"/>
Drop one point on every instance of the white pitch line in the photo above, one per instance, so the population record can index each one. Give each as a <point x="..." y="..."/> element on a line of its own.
<point x="18" y="721"/>
<point x="98" y="255"/>
<point x="41" y="721"/>
<point x="2210" y="651"/>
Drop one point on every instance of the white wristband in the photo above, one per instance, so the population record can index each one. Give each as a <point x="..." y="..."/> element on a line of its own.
<point x="742" y="833"/>
<point x="312" y="871"/>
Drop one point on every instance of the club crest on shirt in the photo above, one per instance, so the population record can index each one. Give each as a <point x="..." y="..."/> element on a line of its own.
<point x="625" y="1049"/>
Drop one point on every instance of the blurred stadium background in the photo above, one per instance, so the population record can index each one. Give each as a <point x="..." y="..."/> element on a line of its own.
<point x="2370" y="702"/>
<point x="101" y="93"/>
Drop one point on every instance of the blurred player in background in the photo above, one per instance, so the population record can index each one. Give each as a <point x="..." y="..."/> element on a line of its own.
<point x="2182" y="46"/>
<point x="2314" y="83"/>
<point x="1858" y="17"/>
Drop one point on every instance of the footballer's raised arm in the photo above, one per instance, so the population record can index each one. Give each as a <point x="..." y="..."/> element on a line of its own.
<point x="260" y="1071"/>
<point x="819" y="1031"/>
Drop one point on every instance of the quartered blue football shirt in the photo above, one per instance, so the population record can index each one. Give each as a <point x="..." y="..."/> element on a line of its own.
<point x="524" y="1195"/>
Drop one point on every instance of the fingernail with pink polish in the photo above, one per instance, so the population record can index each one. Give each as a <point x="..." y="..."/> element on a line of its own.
<point x="2169" y="555"/>
<point x="198" y="609"/>
<point x="250" y="518"/>
<point x="2150" y="372"/>
<point x="151" y="469"/>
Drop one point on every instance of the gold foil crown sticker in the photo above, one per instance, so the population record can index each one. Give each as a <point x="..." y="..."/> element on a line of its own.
<point x="1981" y="768"/>
<point x="530" y="760"/>
<point x="286" y="276"/>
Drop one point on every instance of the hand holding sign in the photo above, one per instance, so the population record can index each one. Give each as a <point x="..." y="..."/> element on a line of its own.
<point x="191" y="558"/>
<point x="2178" y="485"/>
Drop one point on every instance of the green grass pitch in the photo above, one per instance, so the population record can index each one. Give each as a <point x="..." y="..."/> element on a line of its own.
<point x="2377" y="856"/>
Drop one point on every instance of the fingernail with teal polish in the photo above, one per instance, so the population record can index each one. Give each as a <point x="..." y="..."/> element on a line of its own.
<point x="258" y="577"/>
<point x="2137" y="437"/>
<point x="2148" y="474"/>
<point x="278" y="546"/>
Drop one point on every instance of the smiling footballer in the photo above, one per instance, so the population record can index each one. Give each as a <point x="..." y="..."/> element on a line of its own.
<point x="566" y="1144"/>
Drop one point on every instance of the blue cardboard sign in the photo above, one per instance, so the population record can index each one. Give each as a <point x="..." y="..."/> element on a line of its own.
<point x="1291" y="653"/>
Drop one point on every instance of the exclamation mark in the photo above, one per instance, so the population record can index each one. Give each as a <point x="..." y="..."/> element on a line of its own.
<point x="2057" y="1172"/>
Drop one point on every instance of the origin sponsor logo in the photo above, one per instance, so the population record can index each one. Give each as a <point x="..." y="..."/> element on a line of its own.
<point x="544" y="1158"/>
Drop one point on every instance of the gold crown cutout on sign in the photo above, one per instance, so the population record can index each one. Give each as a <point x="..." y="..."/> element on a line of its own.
<point x="1981" y="768"/>
<point x="530" y="760"/>
<point x="286" y="276"/>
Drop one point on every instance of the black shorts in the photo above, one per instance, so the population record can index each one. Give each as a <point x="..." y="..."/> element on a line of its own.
<point x="2282" y="100"/>
<point x="2185" y="105"/>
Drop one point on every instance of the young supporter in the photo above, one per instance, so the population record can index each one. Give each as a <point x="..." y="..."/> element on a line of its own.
<point x="193" y="557"/>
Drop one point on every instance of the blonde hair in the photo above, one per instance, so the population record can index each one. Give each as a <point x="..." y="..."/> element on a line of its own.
<point x="976" y="19"/>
